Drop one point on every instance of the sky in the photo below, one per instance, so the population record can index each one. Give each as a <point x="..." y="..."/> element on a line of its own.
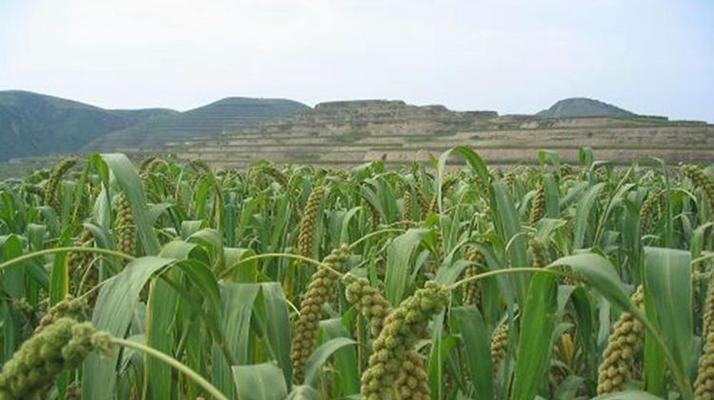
<point x="648" y="56"/>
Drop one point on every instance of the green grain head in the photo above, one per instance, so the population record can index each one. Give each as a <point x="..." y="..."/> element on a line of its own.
<point x="35" y="366"/>
<point x="537" y="208"/>
<point x="701" y="181"/>
<point x="321" y="287"/>
<point x="472" y="289"/>
<point x="625" y="341"/>
<point x="648" y="211"/>
<point x="403" y="327"/>
<point x="54" y="180"/>
<point x="306" y="232"/>
<point x="411" y="380"/>
<point x="124" y="227"/>
<point x="499" y="345"/>
<point x="70" y="307"/>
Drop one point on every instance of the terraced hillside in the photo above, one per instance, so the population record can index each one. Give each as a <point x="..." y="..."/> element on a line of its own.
<point x="227" y="115"/>
<point x="350" y="133"/>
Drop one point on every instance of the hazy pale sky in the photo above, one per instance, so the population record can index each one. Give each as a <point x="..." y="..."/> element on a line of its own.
<point x="649" y="56"/>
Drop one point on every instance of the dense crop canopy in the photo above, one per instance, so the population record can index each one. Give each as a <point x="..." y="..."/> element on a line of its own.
<point x="464" y="281"/>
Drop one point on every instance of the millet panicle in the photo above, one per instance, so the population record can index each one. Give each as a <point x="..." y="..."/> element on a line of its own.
<point x="124" y="226"/>
<point x="625" y="341"/>
<point x="322" y="284"/>
<point x="306" y="230"/>
<point x="370" y="302"/>
<point x="403" y="327"/>
<point x="472" y="289"/>
<point x="537" y="208"/>
<point x="54" y="180"/>
<point x="60" y="346"/>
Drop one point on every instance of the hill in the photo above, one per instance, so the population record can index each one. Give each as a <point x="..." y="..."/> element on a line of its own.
<point x="237" y="131"/>
<point x="227" y="115"/>
<point x="349" y="133"/>
<point x="33" y="124"/>
<point x="583" y="107"/>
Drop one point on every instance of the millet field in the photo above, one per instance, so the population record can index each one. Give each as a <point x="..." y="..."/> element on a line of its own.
<point x="444" y="280"/>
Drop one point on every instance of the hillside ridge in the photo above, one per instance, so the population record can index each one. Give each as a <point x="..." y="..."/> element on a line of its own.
<point x="583" y="107"/>
<point x="224" y="115"/>
<point x="33" y="124"/>
<point x="236" y="131"/>
<point x="349" y="133"/>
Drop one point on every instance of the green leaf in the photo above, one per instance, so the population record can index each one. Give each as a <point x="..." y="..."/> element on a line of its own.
<point x="449" y="272"/>
<point x="247" y="271"/>
<point x="586" y="157"/>
<point x="250" y="205"/>
<point x="273" y="316"/>
<point x="160" y="318"/>
<point x="221" y="373"/>
<point x="303" y="392"/>
<point x="131" y="185"/>
<point x="13" y="277"/>
<point x="472" y="158"/>
<point x="347" y="374"/>
<point x="399" y="265"/>
<point x="113" y="313"/>
<point x="477" y="345"/>
<point x="189" y="227"/>
<point x="601" y="274"/>
<point x="582" y="214"/>
<point x="655" y="366"/>
<point x="238" y="302"/>
<point x="60" y="275"/>
<point x="200" y="277"/>
<point x="538" y="321"/>
<point x="508" y="226"/>
<point x="442" y="346"/>
<point x="545" y="156"/>
<point x="668" y="282"/>
<point x="585" y="324"/>
<point x="569" y="388"/>
<point x="11" y="335"/>
<point x="320" y="355"/>
<point x="259" y="382"/>
<point x="344" y="231"/>
<point x="36" y="236"/>
<point x="552" y="196"/>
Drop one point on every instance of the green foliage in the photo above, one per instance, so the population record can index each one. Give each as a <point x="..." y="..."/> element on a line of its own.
<point x="471" y="297"/>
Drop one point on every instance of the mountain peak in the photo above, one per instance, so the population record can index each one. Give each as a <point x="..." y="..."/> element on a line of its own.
<point x="583" y="107"/>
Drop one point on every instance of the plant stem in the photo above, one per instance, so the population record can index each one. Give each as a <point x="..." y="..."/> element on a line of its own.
<point x="504" y="271"/>
<point x="76" y="249"/>
<point x="369" y="235"/>
<point x="268" y="255"/>
<point x="702" y="259"/>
